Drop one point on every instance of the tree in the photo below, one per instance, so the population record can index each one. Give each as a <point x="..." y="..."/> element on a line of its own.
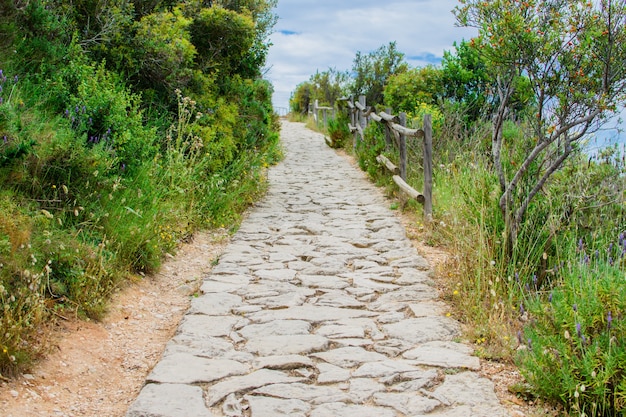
<point x="326" y="86"/>
<point x="372" y="71"/>
<point x="406" y="90"/>
<point x="222" y="38"/>
<point x="573" y="54"/>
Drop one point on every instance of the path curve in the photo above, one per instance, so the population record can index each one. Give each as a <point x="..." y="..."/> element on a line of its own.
<point x="319" y="307"/>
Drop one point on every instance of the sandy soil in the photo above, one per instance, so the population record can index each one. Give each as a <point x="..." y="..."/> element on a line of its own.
<point x="98" y="368"/>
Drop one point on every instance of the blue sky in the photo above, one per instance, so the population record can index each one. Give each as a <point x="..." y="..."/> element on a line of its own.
<point x="314" y="35"/>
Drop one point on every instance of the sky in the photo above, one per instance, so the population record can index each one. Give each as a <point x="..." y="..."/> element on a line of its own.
<point x="315" y="35"/>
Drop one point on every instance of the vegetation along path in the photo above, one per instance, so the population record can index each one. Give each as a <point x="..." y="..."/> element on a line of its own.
<point x="319" y="306"/>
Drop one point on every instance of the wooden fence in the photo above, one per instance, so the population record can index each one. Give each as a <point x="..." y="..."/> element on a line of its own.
<point x="321" y="114"/>
<point x="396" y="134"/>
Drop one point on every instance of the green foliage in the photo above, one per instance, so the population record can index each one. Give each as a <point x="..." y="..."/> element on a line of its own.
<point x="569" y="59"/>
<point x="371" y="72"/>
<point x="164" y="50"/>
<point x="338" y="131"/>
<point x="575" y="351"/>
<point x="326" y="87"/>
<point x="405" y="91"/>
<point x="222" y="38"/>
<point x="372" y="145"/>
<point x="118" y="141"/>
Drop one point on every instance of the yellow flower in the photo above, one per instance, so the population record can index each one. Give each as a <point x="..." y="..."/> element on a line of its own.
<point x="456" y="292"/>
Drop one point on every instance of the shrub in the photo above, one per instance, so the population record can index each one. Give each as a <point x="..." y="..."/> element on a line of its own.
<point x="339" y="131"/>
<point x="575" y="342"/>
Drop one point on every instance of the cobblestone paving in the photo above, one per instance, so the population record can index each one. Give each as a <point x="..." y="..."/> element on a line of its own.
<point x="319" y="307"/>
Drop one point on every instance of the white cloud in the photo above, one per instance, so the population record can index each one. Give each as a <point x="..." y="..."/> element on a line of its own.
<point x="314" y="35"/>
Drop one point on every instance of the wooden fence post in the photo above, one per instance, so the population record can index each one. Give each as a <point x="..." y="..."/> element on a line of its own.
<point x="402" y="117"/>
<point x="362" y="119"/>
<point x="353" y="120"/>
<point x="428" y="167"/>
<point x="388" y="138"/>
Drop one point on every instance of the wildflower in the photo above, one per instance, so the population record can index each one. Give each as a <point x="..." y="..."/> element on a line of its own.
<point x="521" y="309"/>
<point x="575" y="307"/>
<point x="609" y="320"/>
<point x="15" y="79"/>
<point x="580" y="245"/>
<point x="530" y="344"/>
<point x="550" y="297"/>
<point x="519" y="336"/>
<point x="535" y="280"/>
<point x="578" y="330"/>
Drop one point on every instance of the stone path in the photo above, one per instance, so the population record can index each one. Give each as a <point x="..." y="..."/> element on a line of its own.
<point x="319" y="307"/>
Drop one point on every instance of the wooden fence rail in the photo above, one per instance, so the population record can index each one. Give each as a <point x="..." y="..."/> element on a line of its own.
<point x="396" y="133"/>
<point x="315" y="109"/>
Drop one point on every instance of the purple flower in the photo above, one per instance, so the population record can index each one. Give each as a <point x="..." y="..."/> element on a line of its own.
<point x="550" y="297"/>
<point x="575" y="307"/>
<point x="578" y="330"/>
<point x="609" y="320"/>
<point x="67" y="112"/>
<point x="516" y="276"/>
<point x="530" y="344"/>
<point x="521" y="309"/>
<point x="580" y="245"/>
<point x="4" y="138"/>
<point x="519" y="337"/>
<point x="15" y="79"/>
<point x="535" y="280"/>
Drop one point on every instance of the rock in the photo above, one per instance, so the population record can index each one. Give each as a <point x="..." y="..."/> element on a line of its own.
<point x="184" y="368"/>
<point x="276" y="328"/>
<point x="348" y="357"/>
<point x="283" y="362"/>
<point x="237" y="384"/>
<point x="169" y="400"/>
<point x="274" y="407"/>
<point x="444" y="354"/>
<point x="329" y="374"/>
<point x="345" y="410"/>
<point x="383" y="369"/>
<point x="311" y="393"/>
<point x="423" y="329"/>
<point x="214" y="304"/>
<point x="409" y="404"/>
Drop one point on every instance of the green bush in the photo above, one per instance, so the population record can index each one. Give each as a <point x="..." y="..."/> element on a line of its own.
<point x="339" y="131"/>
<point x="575" y="342"/>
